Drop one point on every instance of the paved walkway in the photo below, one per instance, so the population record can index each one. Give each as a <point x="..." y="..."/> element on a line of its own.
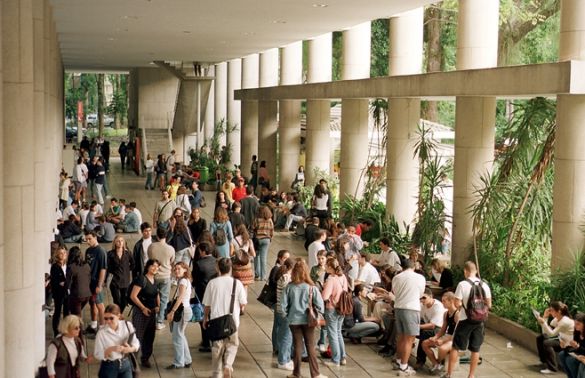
<point x="255" y="354"/>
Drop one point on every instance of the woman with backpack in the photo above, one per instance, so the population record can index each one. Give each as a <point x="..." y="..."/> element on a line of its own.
<point x="335" y="286"/>
<point x="244" y="254"/>
<point x="221" y="229"/>
<point x="357" y="324"/>
<point x="264" y="233"/>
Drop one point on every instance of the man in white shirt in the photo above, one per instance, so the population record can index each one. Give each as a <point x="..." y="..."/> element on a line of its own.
<point x="137" y="212"/>
<point x="432" y="314"/>
<point x="80" y="175"/>
<point x="71" y="210"/>
<point x="170" y="165"/>
<point x="217" y="300"/>
<point x="408" y="287"/>
<point x="468" y="334"/>
<point x="367" y="275"/>
<point x="316" y="246"/>
<point x="387" y="257"/>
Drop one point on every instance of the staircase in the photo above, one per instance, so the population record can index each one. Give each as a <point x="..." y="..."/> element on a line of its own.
<point x="155" y="142"/>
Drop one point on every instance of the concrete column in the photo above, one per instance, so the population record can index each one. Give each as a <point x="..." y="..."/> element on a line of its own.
<point x="477" y="47"/>
<point x="250" y="79"/>
<point x="20" y="286"/>
<point x="317" y="145"/>
<point x="406" y="57"/>
<point x="209" y="121"/>
<point x="569" y="199"/>
<point x="220" y="91"/>
<point x="268" y="113"/>
<point x="354" y="113"/>
<point x="3" y="306"/>
<point x="234" y="112"/>
<point x="289" y="111"/>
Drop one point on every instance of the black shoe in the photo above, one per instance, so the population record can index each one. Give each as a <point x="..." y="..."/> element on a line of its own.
<point x="187" y="366"/>
<point x="387" y="351"/>
<point x="355" y="340"/>
<point x="205" y="349"/>
<point x="382" y="341"/>
<point x="173" y="367"/>
<point x="145" y="364"/>
<point x="90" y="331"/>
<point x="305" y="359"/>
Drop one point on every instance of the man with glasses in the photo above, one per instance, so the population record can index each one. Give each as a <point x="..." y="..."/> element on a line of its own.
<point x="432" y="314"/>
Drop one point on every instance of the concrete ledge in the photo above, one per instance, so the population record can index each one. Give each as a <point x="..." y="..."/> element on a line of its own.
<point x="531" y="80"/>
<point x="513" y="331"/>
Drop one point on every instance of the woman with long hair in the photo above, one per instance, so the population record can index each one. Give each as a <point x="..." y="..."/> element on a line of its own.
<point x="244" y="254"/>
<point x="59" y="286"/>
<point x="561" y="327"/>
<point x="572" y="357"/>
<point x="112" y="344"/>
<point x="146" y="300"/>
<point x="221" y="201"/>
<point x="298" y="295"/>
<point x="120" y="264"/>
<point x="283" y="336"/>
<point x="179" y="237"/>
<point x="335" y="285"/>
<point x="264" y="233"/>
<point x="67" y="350"/>
<point x="221" y="229"/>
<point x="321" y="203"/>
<point x="196" y="223"/>
<point x="78" y="281"/>
<point x="183" y="294"/>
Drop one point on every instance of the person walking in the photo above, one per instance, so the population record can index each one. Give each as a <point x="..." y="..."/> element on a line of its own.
<point x="264" y="234"/>
<point x="149" y="169"/>
<point x="221" y="229"/>
<point x="146" y="300"/>
<point x="468" y="334"/>
<point x="335" y="285"/>
<point x="140" y="251"/>
<point x="180" y="237"/>
<point x="182" y="357"/>
<point x="120" y="265"/>
<point x="218" y="302"/>
<point x="78" y="280"/>
<point x="165" y="254"/>
<point x="67" y="350"/>
<point x="298" y="295"/>
<point x="204" y="270"/>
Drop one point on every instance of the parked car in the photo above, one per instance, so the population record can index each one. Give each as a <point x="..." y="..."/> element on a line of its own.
<point x="92" y="120"/>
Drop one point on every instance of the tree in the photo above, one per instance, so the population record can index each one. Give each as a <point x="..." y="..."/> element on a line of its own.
<point x="101" y="102"/>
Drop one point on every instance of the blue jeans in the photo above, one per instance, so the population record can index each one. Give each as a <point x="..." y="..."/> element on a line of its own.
<point x="275" y="325"/>
<point x="164" y="287"/>
<point x="149" y="184"/>
<point x="364" y="329"/>
<point x="180" y="343"/>
<point x="334" y="322"/>
<point x="184" y="256"/>
<point x="115" y="369"/>
<point x="260" y="260"/>
<point x="284" y="339"/>
<point x="74" y="239"/>
<point x="572" y="366"/>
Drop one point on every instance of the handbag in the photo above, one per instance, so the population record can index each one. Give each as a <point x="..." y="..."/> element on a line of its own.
<point x="197" y="308"/>
<point x="224" y="326"/>
<point x="312" y="317"/>
<point x="178" y="315"/>
<point x="132" y="356"/>
<point x="268" y="295"/>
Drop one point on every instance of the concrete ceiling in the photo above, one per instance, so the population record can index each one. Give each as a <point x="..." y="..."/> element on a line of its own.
<point x="120" y="34"/>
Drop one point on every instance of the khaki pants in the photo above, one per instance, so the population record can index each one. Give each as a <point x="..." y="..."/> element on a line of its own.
<point x="223" y="354"/>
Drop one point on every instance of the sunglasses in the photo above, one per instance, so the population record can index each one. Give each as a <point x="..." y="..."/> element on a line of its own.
<point x="108" y="318"/>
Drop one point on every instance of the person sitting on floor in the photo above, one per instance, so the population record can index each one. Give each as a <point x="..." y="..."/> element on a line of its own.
<point x="359" y="324"/>
<point x="70" y="231"/>
<point x="106" y="231"/>
<point x="131" y="223"/>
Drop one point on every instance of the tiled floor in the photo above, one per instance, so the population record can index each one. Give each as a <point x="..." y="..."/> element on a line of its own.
<point x="255" y="353"/>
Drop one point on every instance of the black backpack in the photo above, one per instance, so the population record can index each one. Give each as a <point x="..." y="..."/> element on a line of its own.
<point x="476" y="308"/>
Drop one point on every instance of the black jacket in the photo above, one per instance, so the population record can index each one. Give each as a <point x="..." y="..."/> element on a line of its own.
<point x="203" y="271"/>
<point x="58" y="281"/>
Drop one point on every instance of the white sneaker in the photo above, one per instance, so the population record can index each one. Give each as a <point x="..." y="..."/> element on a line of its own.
<point x="322" y="348"/>
<point x="406" y="372"/>
<point x="288" y="366"/>
<point x="160" y="326"/>
<point x="546" y="371"/>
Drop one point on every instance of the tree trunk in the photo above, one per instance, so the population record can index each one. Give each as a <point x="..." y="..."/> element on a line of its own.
<point x="434" y="53"/>
<point x="117" y="92"/>
<point x="101" y="100"/>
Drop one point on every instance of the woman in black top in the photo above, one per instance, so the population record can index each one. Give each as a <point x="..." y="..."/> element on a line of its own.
<point x="58" y="286"/>
<point x="120" y="264"/>
<point x="196" y="224"/>
<point x="78" y="281"/>
<point x="146" y="300"/>
<point x="572" y="357"/>
<point x="446" y="280"/>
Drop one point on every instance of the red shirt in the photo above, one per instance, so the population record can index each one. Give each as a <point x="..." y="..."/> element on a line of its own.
<point x="358" y="230"/>
<point x="238" y="193"/>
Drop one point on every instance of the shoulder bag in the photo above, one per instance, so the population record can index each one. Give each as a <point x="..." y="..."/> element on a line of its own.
<point x="178" y="315"/>
<point x="197" y="309"/>
<point x="224" y="326"/>
<point x="312" y="317"/>
<point x="132" y="356"/>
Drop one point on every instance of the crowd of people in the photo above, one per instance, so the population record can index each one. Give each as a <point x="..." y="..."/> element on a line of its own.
<point x="338" y="289"/>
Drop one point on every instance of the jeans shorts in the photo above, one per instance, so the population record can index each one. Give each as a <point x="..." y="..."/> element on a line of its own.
<point x="407" y="322"/>
<point x="468" y="335"/>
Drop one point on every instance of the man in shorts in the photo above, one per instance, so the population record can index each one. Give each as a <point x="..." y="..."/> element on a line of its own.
<point x="96" y="257"/>
<point x="468" y="334"/>
<point x="408" y="288"/>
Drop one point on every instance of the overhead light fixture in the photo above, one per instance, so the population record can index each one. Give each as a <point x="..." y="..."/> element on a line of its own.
<point x="111" y="39"/>
<point x="129" y="17"/>
<point x="320" y="5"/>
<point x="279" y="22"/>
<point x="249" y="33"/>
<point x="186" y="32"/>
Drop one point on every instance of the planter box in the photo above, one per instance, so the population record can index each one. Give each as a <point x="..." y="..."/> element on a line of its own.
<point x="513" y="331"/>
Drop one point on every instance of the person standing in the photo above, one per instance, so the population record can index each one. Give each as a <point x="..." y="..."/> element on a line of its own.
<point x="183" y="294"/>
<point x="222" y="232"/>
<point x="100" y="180"/>
<point x="161" y="172"/>
<point x="170" y="165"/>
<point x="165" y="254"/>
<point x="146" y="300"/>
<point x="408" y="288"/>
<point x="120" y="265"/>
<point x="180" y="237"/>
<point x="140" y="251"/>
<point x="264" y="234"/>
<point x="204" y="270"/>
<point x="468" y="334"/>
<point x="123" y="151"/>
<point x="96" y="257"/>
<point x="163" y="211"/>
<point x="283" y="336"/>
<point x="67" y="350"/>
<point x="217" y="301"/>
<point x="196" y="223"/>
<point x="149" y="168"/>
<point x="335" y="285"/>
<point x="58" y="287"/>
<point x="250" y="206"/>
<point x="78" y="281"/>
<point x="254" y="172"/>
<point x="80" y="175"/>
<point x="298" y="295"/>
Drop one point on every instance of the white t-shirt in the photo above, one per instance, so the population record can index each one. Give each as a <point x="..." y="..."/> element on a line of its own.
<point x="408" y="287"/>
<point x="68" y="211"/>
<point x="138" y="214"/>
<point x="218" y="295"/>
<point x="187" y="295"/>
<point x="314" y="247"/>
<point x="391" y="258"/>
<point x="149" y="166"/>
<point x="83" y="215"/>
<point x="80" y="173"/>
<point x="462" y="293"/>
<point x="145" y="244"/>
<point x="368" y="274"/>
<point x="321" y="203"/>
<point x="434" y="314"/>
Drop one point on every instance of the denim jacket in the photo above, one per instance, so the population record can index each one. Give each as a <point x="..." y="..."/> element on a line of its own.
<point x="295" y="302"/>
